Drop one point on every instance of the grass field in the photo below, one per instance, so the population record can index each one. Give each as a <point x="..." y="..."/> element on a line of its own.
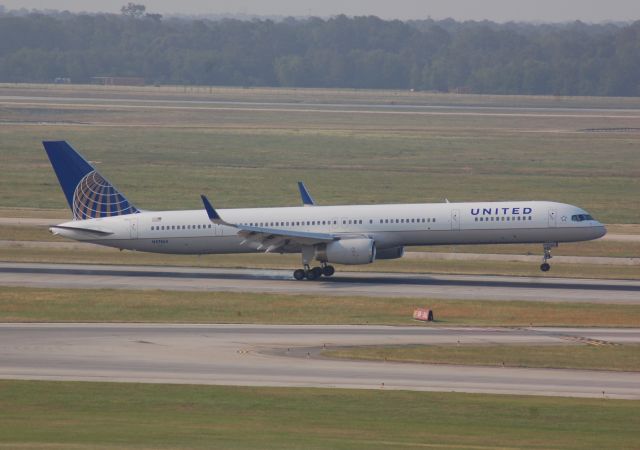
<point x="163" y="157"/>
<point x="577" y="356"/>
<point x="46" y="415"/>
<point x="74" y="305"/>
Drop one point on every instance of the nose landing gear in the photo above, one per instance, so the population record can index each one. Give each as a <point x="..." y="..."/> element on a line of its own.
<point x="545" y="266"/>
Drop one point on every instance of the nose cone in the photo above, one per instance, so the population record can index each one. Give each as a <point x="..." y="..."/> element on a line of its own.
<point x="599" y="230"/>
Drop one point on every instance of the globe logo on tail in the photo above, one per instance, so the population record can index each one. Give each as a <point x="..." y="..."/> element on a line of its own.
<point x="96" y="197"/>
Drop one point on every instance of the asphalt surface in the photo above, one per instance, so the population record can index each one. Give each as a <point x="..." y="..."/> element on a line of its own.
<point x="87" y="276"/>
<point x="259" y="355"/>
<point x="310" y="106"/>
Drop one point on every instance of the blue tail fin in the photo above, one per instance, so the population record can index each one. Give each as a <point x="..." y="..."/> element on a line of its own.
<point x="88" y="193"/>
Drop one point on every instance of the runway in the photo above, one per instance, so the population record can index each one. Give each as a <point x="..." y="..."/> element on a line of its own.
<point x="93" y="102"/>
<point x="470" y="287"/>
<point x="260" y="355"/>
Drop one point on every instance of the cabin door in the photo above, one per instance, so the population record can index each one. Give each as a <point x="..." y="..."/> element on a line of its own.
<point x="553" y="218"/>
<point x="455" y="220"/>
<point x="133" y="227"/>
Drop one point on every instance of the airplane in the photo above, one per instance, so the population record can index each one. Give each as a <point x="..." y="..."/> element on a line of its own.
<point x="346" y="234"/>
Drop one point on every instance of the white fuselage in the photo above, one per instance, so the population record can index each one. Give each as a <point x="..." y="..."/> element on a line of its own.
<point x="390" y="226"/>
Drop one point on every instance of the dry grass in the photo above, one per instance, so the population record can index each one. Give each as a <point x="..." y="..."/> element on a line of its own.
<point x="367" y="155"/>
<point x="71" y="305"/>
<point x="606" y="357"/>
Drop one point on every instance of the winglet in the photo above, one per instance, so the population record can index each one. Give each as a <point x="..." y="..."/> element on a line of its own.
<point x="212" y="213"/>
<point x="307" y="200"/>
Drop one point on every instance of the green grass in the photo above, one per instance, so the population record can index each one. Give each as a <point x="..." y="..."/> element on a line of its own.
<point x="143" y="416"/>
<point x="595" y="357"/>
<point x="163" y="158"/>
<point x="79" y="305"/>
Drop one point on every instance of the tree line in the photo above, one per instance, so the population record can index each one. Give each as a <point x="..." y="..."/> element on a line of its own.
<point x="357" y="52"/>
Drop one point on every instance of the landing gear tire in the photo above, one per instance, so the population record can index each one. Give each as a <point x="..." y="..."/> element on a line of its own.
<point x="328" y="271"/>
<point x="314" y="274"/>
<point x="547" y="255"/>
<point x="299" y="274"/>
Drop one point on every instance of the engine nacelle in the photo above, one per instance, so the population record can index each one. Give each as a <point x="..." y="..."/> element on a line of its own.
<point x="390" y="253"/>
<point x="347" y="251"/>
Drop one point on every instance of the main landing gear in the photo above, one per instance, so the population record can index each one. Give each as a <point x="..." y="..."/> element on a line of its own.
<point x="315" y="273"/>
<point x="545" y="266"/>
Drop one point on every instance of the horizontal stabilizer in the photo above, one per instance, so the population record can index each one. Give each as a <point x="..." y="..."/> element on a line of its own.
<point x="97" y="231"/>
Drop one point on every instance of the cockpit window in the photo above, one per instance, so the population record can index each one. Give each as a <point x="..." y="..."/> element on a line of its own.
<point x="581" y="217"/>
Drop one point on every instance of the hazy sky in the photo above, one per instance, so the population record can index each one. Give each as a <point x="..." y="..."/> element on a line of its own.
<point x="497" y="10"/>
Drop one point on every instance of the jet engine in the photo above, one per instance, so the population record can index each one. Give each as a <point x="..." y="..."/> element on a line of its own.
<point x="347" y="251"/>
<point x="390" y="253"/>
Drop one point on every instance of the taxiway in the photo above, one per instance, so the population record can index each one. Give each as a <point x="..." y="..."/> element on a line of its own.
<point x="262" y="355"/>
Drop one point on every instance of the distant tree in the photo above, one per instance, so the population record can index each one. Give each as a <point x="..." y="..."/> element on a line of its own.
<point x="156" y="17"/>
<point x="133" y="10"/>
<point x="356" y="52"/>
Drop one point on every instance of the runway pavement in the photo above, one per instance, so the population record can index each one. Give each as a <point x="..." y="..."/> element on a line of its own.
<point x="87" y="276"/>
<point x="260" y="355"/>
<point x="93" y="102"/>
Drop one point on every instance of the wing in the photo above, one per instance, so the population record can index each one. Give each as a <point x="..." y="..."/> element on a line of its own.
<point x="269" y="239"/>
